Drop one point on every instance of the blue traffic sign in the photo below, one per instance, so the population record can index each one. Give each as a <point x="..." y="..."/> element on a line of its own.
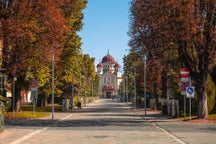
<point x="190" y="92"/>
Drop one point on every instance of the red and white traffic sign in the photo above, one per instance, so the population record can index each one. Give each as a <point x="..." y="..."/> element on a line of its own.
<point x="185" y="72"/>
<point x="185" y="78"/>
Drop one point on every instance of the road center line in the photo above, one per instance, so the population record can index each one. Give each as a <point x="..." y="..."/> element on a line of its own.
<point x="169" y="134"/>
<point x="18" y="141"/>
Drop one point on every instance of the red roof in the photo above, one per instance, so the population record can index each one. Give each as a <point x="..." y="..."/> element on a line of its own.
<point x="108" y="58"/>
<point x="117" y="65"/>
<point x="100" y="65"/>
<point x="108" y="87"/>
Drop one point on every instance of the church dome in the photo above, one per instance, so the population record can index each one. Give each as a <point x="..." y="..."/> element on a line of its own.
<point x="108" y="58"/>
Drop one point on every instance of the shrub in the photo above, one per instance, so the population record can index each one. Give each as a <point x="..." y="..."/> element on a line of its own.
<point x="211" y="92"/>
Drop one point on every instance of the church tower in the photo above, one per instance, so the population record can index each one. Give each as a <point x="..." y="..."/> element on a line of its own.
<point x="110" y="77"/>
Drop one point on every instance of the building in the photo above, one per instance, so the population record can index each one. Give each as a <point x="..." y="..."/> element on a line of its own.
<point x="110" y="77"/>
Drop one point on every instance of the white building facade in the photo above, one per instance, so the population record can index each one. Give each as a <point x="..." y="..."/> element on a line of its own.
<point x="110" y="77"/>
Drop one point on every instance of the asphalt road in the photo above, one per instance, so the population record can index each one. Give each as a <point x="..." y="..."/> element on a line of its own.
<point x="107" y="122"/>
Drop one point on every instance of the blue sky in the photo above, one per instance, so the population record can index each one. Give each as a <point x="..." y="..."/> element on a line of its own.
<point x="105" y="27"/>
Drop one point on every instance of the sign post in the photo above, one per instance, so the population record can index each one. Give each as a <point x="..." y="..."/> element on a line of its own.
<point x="34" y="93"/>
<point x="185" y="73"/>
<point x="190" y="94"/>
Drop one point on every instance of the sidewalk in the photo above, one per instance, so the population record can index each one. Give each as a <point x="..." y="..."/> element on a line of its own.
<point x="152" y="115"/>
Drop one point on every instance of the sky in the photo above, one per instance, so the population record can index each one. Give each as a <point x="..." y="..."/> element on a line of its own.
<point x="106" y="23"/>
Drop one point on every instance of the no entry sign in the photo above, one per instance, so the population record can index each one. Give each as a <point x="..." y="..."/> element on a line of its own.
<point x="185" y="73"/>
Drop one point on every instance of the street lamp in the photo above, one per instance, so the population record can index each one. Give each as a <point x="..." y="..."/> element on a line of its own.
<point x="84" y="90"/>
<point x="127" y="88"/>
<point x="53" y="55"/>
<point x="72" y="88"/>
<point x="144" y="59"/>
<point x="135" y="87"/>
<point x="14" y="79"/>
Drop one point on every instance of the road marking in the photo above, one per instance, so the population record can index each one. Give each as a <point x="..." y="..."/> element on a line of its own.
<point x="20" y="140"/>
<point x="65" y="117"/>
<point x="169" y="134"/>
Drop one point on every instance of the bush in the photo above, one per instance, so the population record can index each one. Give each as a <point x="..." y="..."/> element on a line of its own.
<point x="211" y="92"/>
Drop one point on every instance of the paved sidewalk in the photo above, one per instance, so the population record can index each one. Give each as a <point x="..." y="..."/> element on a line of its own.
<point x="152" y="115"/>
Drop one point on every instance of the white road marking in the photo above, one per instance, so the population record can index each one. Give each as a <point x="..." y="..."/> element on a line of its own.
<point x="169" y="134"/>
<point x="64" y="118"/>
<point x="20" y="140"/>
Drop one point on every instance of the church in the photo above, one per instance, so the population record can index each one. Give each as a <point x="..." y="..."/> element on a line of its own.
<point x="110" y="77"/>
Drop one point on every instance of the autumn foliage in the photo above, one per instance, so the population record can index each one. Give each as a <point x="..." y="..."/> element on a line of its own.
<point x="29" y="29"/>
<point x="176" y="34"/>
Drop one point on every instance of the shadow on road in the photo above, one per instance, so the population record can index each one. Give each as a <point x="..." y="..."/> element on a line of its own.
<point x="100" y="114"/>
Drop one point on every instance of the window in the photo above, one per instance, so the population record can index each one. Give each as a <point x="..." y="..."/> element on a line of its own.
<point x="104" y="80"/>
<point x="112" y="79"/>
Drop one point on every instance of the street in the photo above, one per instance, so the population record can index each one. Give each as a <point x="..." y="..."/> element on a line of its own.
<point x="107" y="122"/>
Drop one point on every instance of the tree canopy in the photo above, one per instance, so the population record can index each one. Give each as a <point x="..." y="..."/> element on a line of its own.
<point x="29" y="29"/>
<point x="176" y="34"/>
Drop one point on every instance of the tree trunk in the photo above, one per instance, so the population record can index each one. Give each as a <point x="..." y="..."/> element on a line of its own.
<point x="164" y="84"/>
<point x="40" y="101"/>
<point x="45" y="100"/>
<point x="17" y="99"/>
<point x="202" y="111"/>
<point x="156" y="95"/>
<point x="202" y="107"/>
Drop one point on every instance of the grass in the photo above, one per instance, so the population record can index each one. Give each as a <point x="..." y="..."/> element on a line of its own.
<point x="26" y="114"/>
<point x="27" y="111"/>
<point x="187" y="118"/>
<point x="212" y="116"/>
<point x="47" y="108"/>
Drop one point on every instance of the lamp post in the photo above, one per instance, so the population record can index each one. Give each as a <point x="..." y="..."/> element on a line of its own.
<point x="127" y="88"/>
<point x="14" y="79"/>
<point x="53" y="55"/>
<point x="125" y="94"/>
<point x="72" y="88"/>
<point x="144" y="59"/>
<point x="135" y="87"/>
<point x="84" y="90"/>
<point x="92" y="89"/>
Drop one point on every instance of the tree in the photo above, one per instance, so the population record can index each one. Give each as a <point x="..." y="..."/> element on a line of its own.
<point x="185" y="29"/>
<point x="29" y="29"/>
<point x="71" y="56"/>
<point x="145" y="40"/>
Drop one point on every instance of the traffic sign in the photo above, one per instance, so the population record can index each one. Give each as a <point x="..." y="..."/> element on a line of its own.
<point x="185" y="72"/>
<point x="33" y="84"/>
<point x="190" y="92"/>
<point x="184" y="85"/>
